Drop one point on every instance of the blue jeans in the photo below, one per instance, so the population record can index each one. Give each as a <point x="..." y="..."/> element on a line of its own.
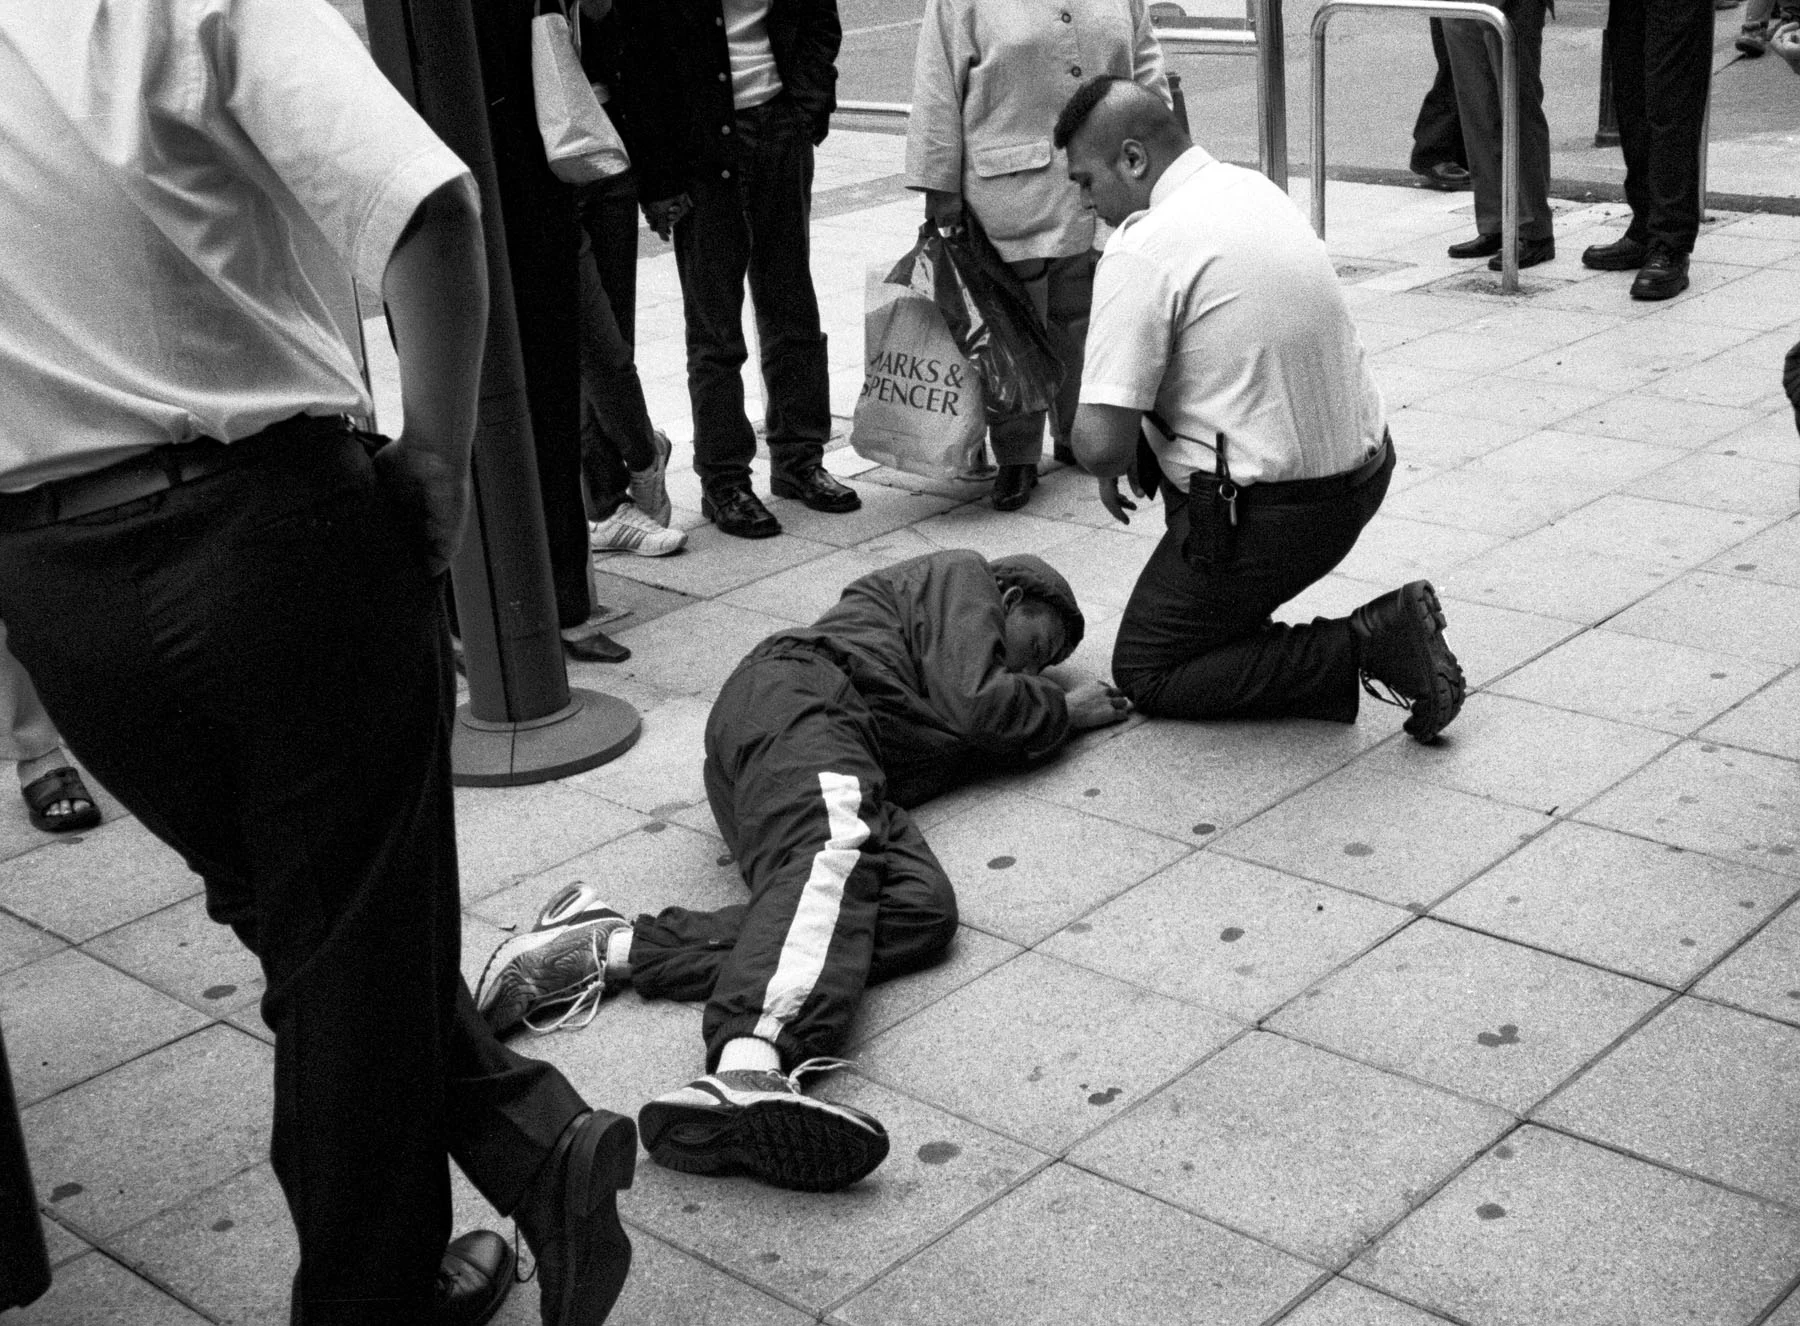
<point x="751" y="223"/>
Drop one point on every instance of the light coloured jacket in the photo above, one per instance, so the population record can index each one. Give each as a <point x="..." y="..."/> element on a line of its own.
<point x="989" y="78"/>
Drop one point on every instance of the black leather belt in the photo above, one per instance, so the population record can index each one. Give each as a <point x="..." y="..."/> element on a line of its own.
<point x="1302" y="490"/>
<point x="151" y="472"/>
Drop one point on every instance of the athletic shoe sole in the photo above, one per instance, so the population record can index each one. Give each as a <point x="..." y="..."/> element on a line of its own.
<point x="794" y="1142"/>
<point x="505" y="1000"/>
<point x="1432" y="713"/>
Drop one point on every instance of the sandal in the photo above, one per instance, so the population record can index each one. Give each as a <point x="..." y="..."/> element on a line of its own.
<point x="62" y="784"/>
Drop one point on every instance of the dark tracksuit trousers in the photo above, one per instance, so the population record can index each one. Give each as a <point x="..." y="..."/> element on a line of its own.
<point x="1197" y="639"/>
<point x="844" y="890"/>
<point x="255" y="664"/>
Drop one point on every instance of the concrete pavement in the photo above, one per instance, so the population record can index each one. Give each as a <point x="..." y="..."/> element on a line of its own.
<point x="1246" y="1023"/>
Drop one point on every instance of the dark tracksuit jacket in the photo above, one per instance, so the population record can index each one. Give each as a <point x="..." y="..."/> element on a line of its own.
<point x="816" y="744"/>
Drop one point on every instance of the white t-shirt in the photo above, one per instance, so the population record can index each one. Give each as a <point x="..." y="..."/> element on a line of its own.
<point x="179" y="182"/>
<point x="1219" y="308"/>
<point x="754" y="77"/>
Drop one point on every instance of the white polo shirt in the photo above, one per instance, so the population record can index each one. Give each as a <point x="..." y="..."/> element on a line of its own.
<point x="179" y="182"/>
<point x="1219" y="309"/>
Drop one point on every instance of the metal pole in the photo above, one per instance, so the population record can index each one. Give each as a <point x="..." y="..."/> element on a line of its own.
<point x="1509" y="111"/>
<point x="1271" y="92"/>
<point x="523" y="723"/>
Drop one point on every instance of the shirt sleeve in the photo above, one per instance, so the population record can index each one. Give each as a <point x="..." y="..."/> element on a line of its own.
<point x="934" y="130"/>
<point x="1130" y="329"/>
<point x="329" y="126"/>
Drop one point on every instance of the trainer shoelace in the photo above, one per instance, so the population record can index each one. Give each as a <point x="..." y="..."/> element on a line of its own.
<point x="582" y="997"/>
<point x="1387" y="694"/>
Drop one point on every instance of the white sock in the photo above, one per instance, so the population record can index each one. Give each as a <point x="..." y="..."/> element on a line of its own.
<point x="618" y="955"/>
<point x="751" y="1053"/>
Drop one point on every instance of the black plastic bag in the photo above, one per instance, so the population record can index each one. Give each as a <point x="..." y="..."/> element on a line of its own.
<point x="989" y="315"/>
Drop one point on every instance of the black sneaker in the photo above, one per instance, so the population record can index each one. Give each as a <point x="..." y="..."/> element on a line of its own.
<point x="1401" y="635"/>
<point x="1663" y="275"/>
<point x="759" y="1123"/>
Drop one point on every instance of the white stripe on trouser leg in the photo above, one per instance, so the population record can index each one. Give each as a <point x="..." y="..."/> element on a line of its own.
<point x="815" y="919"/>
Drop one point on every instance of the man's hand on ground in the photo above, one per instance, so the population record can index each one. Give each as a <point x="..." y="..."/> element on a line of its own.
<point x="1096" y="704"/>
<point x="1785" y="42"/>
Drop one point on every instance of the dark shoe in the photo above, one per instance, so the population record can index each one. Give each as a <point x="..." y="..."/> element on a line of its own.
<point x="1447" y="177"/>
<point x="473" y="1279"/>
<point x="1064" y="454"/>
<point x="1531" y="253"/>
<point x="1753" y="39"/>
<point x="817" y="489"/>
<point x="59" y="787"/>
<point x="570" y="1219"/>
<point x="1401" y="638"/>
<point x="1622" y="255"/>
<point x="1013" y="485"/>
<point x="739" y="513"/>
<point x="597" y="647"/>
<point x="1479" y="247"/>
<point x="759" y="1123"/>
<point x="1663" y="275"/>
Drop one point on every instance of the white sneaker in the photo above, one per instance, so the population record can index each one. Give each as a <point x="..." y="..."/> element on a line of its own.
<point x="630" y="530"/>
<point x="649" y="492"/>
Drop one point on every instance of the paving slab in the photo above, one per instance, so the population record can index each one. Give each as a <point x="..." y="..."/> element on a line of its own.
<point x="1549" y="1228"/>
<point x="505" y="833"/>
<point x="694" y="649"/>
<point x="1686" y="424"/>
<point x="21" y="943"/>
<point x="813" y="1249"/>
<point x="94" y="1290"/>
<point x="184" y="952"/>
<point x="1494" y="503"/>
<point x="1443" y="439"/>
<point x="670" y="1288"/>
<point x="1710" y="798"/>
<point x="1485" y="1018"/>
<point x="1703" y="1089"/>
<point x="1632" y="679"/>
<point x="1397" y="839"/>
<point x="1643" y="909"/>
<point x="1666" y="535"/>
<point x="1118" y="1258"/>
<point x="1174" y="777"/>
<point x="1530" y="755"/>
<point x="891" y="1003"/>
<point x="1228" y="934"/>
<point x="802" y="593"/>
<point x="1345" y="1303"/>
<point x="1771" y="556"/>
<point x="1769" y="438"/>
<point x="660" y="775"/>
<point x="1726" y="613"/>
<point x="1293" y="1145"/>
<point x="1491" y="641"/>
<point x="1737" y="484"/>
<point x="1566" y="456"/>
<point x="1555" y="580"/>
<point x="1763" y="976"/>
<point x="69" y="1017"/>
<point x="78" y="887"/>
<point x="181" y="1119"/>
<point x="1024" y="868"/>
<point x="1041" y="1050"/>
<point x="1393" y="550"/>
<point x="1768" y="721"/>
<point x="230" y="1250"/>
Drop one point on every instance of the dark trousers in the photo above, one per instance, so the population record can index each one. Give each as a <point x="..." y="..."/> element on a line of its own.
<point x="1197" y="641"/>
<point x="255" y="664"/>
<point x="1662" y="71"/>
<point x="1475" y="59"/>
<point x="754" y="226"/>
<point x="1062" y="292"/>
<point x="1437" y="133"/>
<point x="844" y="890"/>
<point x="616" y="433"/>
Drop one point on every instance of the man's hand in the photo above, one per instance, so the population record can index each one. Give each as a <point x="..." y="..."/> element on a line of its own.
<point x="665" y="213"/>
<point x="943" y="209"/>
<point x="426" y="487"/>
<point x="1785" y="42"/>
<point x="1097" y="704"/>
<point x="1115" y="501"/>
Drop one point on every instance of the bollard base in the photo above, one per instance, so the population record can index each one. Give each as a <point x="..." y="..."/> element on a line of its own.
<point x="590" y="730"/>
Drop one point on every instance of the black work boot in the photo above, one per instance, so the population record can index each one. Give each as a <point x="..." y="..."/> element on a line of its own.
<point x="1400" y="638"/>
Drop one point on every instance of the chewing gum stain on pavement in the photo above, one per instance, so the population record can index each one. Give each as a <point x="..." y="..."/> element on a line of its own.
<point x="1230" y="935"/>
<point x="218" y="991"/>
<point x="1003" y="863"/>
<point x="1358" y="849"/>
<point x="1203" y="829"/>
<point x="1106" y="1097"/>
<point x="939" y="1153"/>
<point x="1508" y="1035"/>
<point x="1490" y="1211"/>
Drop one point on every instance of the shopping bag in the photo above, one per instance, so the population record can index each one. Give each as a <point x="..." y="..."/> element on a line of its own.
<point x="921" y="406"/>
<point x="988" y="313"/>
<point x="580" y="141"/>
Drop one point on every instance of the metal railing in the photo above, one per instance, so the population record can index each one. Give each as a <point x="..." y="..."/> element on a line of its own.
<point x="1261" y="37"/>
<point x="1509" y="111"/>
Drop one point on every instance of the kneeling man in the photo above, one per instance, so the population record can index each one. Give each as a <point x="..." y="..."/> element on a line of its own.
<point x="1219" y="330"/>
<point x="920" y="677"/>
